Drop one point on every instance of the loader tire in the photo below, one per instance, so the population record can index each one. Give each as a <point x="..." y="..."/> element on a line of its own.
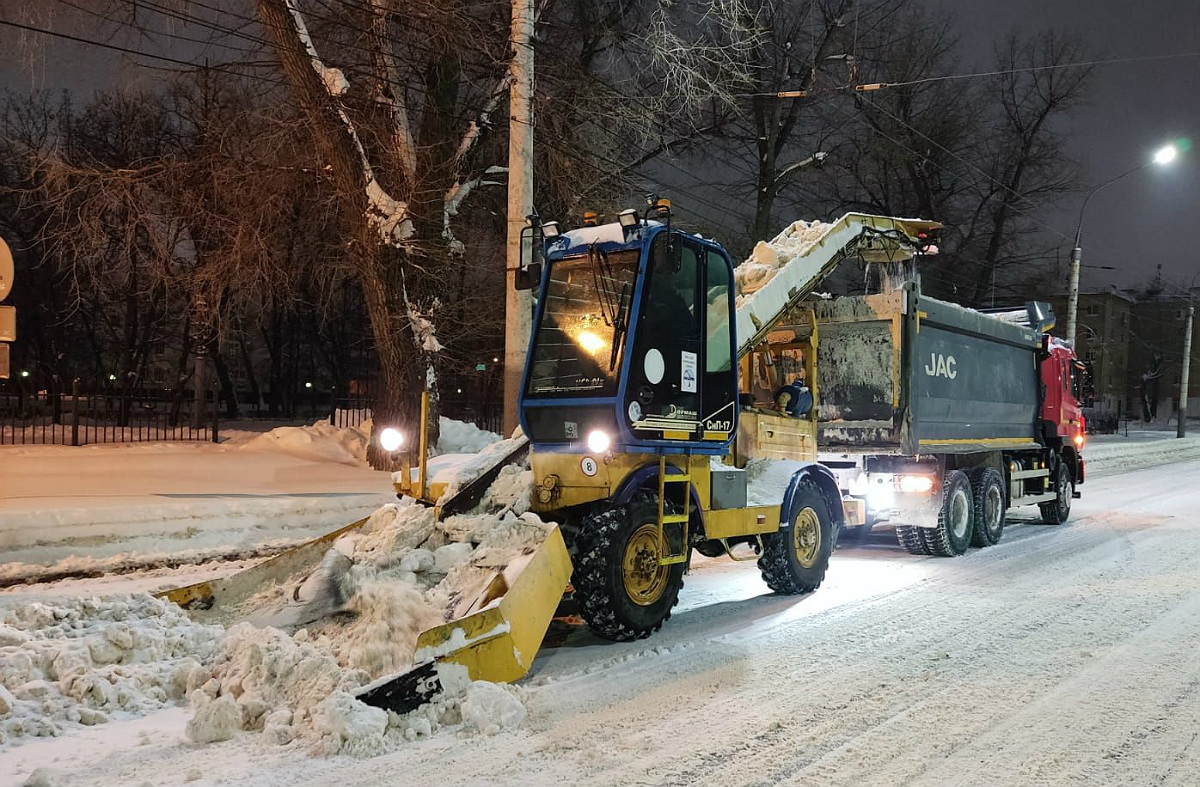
<point x="795" y="558"/>
<point x="1058" y="510"/>
<point x="910" y="538"/>
<point x="952" y="535"/>
<point x="623" y="593"/>
<point x="988" y="498"/>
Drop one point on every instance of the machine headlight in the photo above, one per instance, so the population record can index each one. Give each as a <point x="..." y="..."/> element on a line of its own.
<point x="598" y="441"/>
<point x="628" y="218"/>
<point x="391" y="439"/>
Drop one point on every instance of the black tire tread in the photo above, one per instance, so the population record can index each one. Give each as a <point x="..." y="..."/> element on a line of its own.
<point x="594" y="549"/>
<point x="774" y="565"/>
<point x="937" y="539"/>
<point x="910" y="538"/>
<point x="980" y="537"/>
<point x="1050" y="513"/>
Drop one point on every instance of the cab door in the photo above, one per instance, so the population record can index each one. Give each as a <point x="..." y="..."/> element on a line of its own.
<point x="663" y="391"/>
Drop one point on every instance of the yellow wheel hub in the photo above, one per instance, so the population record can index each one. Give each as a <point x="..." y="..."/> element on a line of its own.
<point x="645" y="579"/>
<point x="806" y="535"/>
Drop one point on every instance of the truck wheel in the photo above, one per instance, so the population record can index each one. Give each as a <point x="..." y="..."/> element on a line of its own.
<point x="795" y="558"/>
<point x="910" y="538"/>
<point x="952" y="535"/>
<point x="623" y="592"/>
<point x="1056" y="511"/>
<point x="987" y="492"/>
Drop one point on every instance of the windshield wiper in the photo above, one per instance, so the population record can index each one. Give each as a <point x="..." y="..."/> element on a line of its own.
<point x="620" y="325"/>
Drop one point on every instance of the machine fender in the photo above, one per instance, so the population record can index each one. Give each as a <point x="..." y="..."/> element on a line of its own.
<point x="824" y="479"/>
<point x="646" y="477"/>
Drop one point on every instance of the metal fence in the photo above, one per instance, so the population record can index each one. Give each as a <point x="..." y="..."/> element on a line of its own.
<point x="485" y="414"/>
<point x="95" y="414"/>
<point x="92" y="413"/>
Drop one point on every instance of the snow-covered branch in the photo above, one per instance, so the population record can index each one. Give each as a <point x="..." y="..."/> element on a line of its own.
<point x="387" y="83"/>
<point x="476" y="128"/>
<point x="389" y="215"/>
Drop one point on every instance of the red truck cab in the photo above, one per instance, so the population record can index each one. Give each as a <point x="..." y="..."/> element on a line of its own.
<point x="1064" y="386"/>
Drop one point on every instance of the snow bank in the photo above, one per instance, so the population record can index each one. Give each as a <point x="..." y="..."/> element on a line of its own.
<point x="319" y="441"/>
<point x="459" y="437"/>
<point x="84" y="661"/>
<point x="768" y="257"/>
<point x="1118" y="453"/>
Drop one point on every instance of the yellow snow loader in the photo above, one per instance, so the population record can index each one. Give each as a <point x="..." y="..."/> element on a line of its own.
<point x="652" y="378"/>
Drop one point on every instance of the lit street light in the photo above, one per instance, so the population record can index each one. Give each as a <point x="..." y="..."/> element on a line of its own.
<point x="1164" y="155"/>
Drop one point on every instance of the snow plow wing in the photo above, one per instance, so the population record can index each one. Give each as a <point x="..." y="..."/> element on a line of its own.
<point x="216" y="600"/>
<point x="493" y="636"/>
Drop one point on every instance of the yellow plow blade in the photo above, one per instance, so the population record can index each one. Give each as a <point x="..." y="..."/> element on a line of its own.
<point x="496" y="636"/>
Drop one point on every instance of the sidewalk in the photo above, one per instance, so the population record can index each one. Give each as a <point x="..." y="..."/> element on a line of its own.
<point x="1142" y="447"/>
<point x="111" y="504"/>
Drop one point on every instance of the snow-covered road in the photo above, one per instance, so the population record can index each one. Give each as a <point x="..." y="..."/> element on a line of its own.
<point x="1063" y="655"/>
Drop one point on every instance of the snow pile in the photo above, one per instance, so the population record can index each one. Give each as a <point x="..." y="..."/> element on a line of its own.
<point x="320" y="441"/>
<point x="84" y="661"/>
<point x="460" y="437"/>
<point x="768" y="257"/>
<point x="401" y="573"/>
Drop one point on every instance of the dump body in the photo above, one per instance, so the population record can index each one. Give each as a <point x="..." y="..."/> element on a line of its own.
<point x="901" y="373"/>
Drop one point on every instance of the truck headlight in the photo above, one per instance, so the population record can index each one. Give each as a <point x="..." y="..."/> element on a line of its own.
<point x="915" y="483"/>
<point x="390" y="439"/>
<point x="598" y="441"/>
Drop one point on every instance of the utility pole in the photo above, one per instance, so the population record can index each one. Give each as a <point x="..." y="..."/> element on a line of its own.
<point x="1181" y="430"/>
<point x="1073" y="292"/>
<point x="517" y="317"/>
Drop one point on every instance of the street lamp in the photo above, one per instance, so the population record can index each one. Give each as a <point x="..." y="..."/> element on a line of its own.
<point x="1164" y="155"/>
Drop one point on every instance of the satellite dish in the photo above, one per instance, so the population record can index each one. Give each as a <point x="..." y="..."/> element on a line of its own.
<point x="6" y="270"/>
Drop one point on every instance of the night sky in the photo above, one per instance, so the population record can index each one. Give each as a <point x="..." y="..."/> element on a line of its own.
<point x="1142" y="220"/>
<point x="1134" y="108"/>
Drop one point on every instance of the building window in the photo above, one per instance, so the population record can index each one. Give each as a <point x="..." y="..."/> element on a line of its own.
<point x="1091" y="310"/>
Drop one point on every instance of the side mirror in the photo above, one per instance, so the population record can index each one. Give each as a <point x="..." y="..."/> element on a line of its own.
<point x="668" y="253"/>
<point x="529" y="277"/>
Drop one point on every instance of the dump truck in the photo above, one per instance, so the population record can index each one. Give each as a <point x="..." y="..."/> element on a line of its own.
<point x="938" y="418"/>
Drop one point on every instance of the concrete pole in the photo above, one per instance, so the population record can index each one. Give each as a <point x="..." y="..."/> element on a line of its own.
<point x="1181" y="430"/>
<point x="1073" y="293"/>
<point x="517" y="305"/>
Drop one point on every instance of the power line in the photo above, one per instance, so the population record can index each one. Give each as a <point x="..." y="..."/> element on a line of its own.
<point x="1048" y="67"/>
<point x="874" y="86"/>
<point x="103" y="45"/>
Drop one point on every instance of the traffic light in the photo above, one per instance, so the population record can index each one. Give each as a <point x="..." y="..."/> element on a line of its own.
<point x="8" y="314"/>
